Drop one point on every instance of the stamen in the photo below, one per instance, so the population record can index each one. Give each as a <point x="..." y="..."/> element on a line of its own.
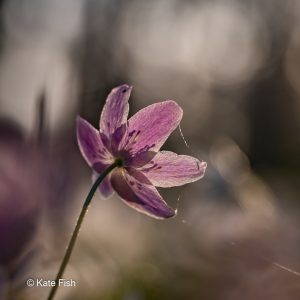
<point x="131" y="133"/>
<point x="132" y="138"/>
<point x="150" y="168"/>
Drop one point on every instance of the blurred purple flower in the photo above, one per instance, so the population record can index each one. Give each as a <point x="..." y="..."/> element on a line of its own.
<point x="135" y="145"/>
<point x="22" y="194"/>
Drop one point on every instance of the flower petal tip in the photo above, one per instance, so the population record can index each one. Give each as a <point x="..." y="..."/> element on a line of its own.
<point x="202" y="167"/>
<point x="171" y="214"/>
<point x="79" y="119"/>
<point x="176" y="107"/>
<point x="123" y="88"/>
<point x="81" y="122"/>
<point x="166" y="215"/>
<point x="115" y="110"/>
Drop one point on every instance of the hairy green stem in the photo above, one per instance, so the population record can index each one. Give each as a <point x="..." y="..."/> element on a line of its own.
<point x="77" y="228"/>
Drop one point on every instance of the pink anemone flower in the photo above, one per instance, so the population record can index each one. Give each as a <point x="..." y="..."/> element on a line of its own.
<point x="134" y="144"/>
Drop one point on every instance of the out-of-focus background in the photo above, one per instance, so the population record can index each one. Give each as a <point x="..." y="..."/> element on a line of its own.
<point x="233" y="66"/>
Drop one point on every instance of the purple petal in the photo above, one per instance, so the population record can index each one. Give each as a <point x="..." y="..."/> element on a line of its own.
<point x="105" y="187"/>
<point x="90" y="143"/>
<point x="139" y="176"/>
<point x="115" y="110"/>
<point x="118" y="139"/>
<point x="149" y="128"/>
<point x="144" y="198"/>
<point x="168" y="169"/>
<point x="106" y="141"/>
<point x="140" y="159"/>
<point x="99" y="167"/>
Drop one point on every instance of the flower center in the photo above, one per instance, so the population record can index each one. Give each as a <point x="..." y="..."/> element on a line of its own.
<point x="119" y="161"/>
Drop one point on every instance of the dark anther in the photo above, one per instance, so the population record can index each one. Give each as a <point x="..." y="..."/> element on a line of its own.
<point x="131" y="133"/>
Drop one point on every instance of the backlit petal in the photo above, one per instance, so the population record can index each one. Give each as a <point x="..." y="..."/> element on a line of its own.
<point x="138" y="175"/>
<point x="116" y="141"/>
<point x="105" y="187"/>
<point x="115" y="110"/>
<point x="149" y="128"/>
<point x="140" y="159"/>
<point x="90" y="143"/>
<point x="168" y="169"/>
<point x="144" y="198"/>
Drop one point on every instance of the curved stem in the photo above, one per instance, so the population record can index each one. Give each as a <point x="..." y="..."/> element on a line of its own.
<point x="77" y="228"/>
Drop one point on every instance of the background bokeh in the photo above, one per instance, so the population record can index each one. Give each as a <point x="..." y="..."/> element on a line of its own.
<point x="233" y="66"/>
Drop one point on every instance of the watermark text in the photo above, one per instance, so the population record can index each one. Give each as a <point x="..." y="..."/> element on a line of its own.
<point x="41" y="282"/>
